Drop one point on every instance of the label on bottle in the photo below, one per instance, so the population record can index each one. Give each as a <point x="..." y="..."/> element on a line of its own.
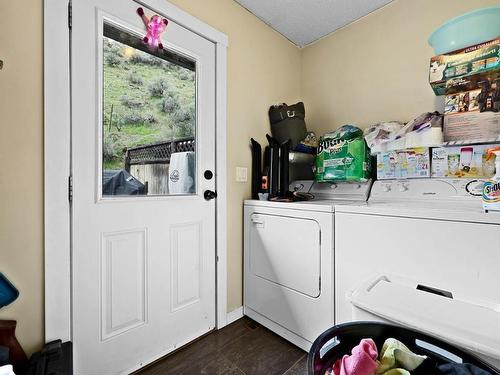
<point x="491" y="192"/>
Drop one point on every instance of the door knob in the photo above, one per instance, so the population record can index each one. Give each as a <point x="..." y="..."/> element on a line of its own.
<point x="209" y="195"/>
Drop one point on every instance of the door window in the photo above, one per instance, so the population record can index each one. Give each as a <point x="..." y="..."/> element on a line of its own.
<point x="148" y="118"/>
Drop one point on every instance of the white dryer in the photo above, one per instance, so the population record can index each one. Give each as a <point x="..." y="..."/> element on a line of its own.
<point x="289" y="260"/>
<point x="423" y="254"/>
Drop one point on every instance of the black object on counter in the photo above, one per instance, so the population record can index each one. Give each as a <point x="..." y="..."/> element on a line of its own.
<point x="281" y="165"/>
<point x="56" y="358"/>
<point x="265" y="172"/>
<point x="287" y="122"/>
<point x="256" y="168"/>
<point x="284" y="172"/>
<point x="273" y="177"/>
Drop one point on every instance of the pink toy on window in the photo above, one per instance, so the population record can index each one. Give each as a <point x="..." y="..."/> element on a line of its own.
<point x="155" y="26"/>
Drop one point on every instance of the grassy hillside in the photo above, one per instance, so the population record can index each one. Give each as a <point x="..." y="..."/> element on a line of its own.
<point x="146" y="100"/>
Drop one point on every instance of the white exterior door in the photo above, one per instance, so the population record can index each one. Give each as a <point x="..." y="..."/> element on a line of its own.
<point x="143" y="159"/>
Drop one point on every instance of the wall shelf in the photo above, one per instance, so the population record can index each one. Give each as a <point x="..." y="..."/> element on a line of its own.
<point x="472" y="142"/>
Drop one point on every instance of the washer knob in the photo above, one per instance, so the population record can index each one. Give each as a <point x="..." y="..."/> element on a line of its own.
<point x="386" y="188"/>
<point x="403" y="188"/>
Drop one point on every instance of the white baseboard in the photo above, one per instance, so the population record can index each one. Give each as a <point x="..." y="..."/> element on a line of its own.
<point x="234" y="315"/>
<point x="278" y="329"/>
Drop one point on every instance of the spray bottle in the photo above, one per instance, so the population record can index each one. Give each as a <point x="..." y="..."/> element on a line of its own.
<point x="491" y="188"/>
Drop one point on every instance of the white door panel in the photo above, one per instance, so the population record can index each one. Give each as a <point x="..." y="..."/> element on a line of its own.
<point x="123" y="283"/>
<point x="143" y="265"/>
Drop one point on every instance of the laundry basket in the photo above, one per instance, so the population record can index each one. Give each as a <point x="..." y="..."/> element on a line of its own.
<point x="339" y="340"/>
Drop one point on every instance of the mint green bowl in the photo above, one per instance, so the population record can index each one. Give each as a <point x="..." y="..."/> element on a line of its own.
<point x="471" y="28"/>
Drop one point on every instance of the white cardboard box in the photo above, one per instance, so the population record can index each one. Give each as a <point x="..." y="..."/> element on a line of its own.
<point x="464" y="121"/>
<point x="403" y="164"/>
<point x="462" y="162"/>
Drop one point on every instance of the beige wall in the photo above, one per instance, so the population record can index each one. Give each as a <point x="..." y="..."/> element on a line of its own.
<point x="377" y="68"/>
<point x="21" y="157"/>
<point x="263" y="68"/>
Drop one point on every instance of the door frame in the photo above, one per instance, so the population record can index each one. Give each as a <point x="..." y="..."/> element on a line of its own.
<point x="57" y="161"/>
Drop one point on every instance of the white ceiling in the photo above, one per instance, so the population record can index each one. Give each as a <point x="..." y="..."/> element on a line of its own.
<point x="305" y="21"/>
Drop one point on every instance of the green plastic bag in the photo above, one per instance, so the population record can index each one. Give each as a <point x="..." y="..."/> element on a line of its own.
<point x="343" y="156"/>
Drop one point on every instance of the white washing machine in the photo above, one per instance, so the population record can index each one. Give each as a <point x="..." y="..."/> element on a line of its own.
<point x="423" y="254"/>
<point x="289" y="260"/>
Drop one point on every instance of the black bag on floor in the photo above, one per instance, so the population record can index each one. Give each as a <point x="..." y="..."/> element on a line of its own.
<point x="4" y="355"/>
<point x="287" y="122"/>
<point x="55" y="358"/>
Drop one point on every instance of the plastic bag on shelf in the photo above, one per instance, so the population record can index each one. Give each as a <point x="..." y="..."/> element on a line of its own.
<point x="426" y="130"/>
<point x="382" y="132"/>
<point x="421" y="123"/>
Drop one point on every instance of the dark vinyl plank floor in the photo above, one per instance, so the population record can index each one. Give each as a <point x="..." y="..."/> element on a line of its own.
<point x="242" y="348"/>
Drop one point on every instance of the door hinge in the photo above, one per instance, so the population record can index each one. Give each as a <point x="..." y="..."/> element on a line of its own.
<point x="70" y="16"/>
<point x="70" y="188"/>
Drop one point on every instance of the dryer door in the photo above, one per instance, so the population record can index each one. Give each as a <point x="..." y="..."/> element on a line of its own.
<point x="286" y="251"/>
<point x="288" y="265"/>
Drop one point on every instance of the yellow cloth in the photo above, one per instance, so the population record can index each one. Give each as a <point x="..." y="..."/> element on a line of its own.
<point x="395" y="355"/>
<point x="397" y="371"/>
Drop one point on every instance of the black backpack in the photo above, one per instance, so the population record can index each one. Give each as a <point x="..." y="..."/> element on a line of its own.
<point x="287" y="122"/>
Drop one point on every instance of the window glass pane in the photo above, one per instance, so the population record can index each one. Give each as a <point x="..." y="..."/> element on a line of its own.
<point x="149" y="118"/>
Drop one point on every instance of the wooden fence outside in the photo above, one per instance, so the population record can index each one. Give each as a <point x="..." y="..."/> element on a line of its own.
<point x="150" y="163"/>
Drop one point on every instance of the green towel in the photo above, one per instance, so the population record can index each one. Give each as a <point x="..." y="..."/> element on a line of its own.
<point x="395" y="355"/>
<point x="397" y="371"/>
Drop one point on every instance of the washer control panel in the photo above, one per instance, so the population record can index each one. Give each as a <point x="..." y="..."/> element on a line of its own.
<point x="427" y="189"/>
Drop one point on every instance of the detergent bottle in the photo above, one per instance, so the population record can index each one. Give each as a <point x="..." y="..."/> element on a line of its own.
<point x="491" y="188"/>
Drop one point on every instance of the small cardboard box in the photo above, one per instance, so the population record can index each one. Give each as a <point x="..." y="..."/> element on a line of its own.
<point x="473" y="115"/>
<point x="472" y="126"/>
<point x="404" y="164"/>
<point x="471" y="81"/>
<point x="462" y="69"/>
<point x="462" y="162"/>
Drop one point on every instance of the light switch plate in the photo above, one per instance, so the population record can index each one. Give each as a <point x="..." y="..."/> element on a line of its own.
<point x="241" y="174"/>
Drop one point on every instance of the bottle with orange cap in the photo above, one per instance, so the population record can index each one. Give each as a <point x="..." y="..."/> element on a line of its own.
<point x="491" y="188"/>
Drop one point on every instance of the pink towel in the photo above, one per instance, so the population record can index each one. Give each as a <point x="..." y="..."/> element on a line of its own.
<point x="361" y="362"/>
